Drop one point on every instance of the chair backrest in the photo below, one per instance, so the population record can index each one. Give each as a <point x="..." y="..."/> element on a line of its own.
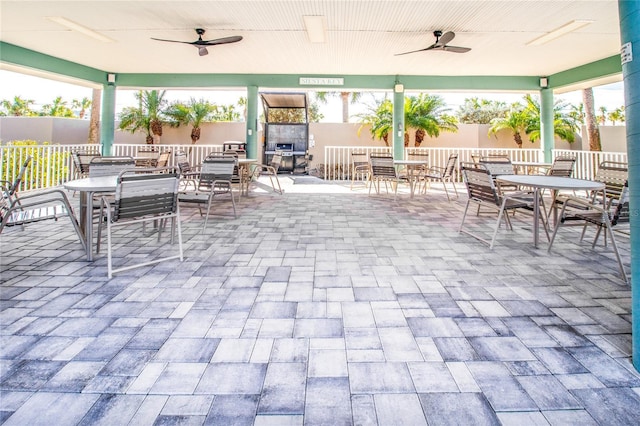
<point x="182" y="161"/>
<point x="12" y="187"/>
<point x="497" y="165"/>
<point x="450" y="168"/>
<point x="382" y="165"/>
<point x="359" y="158"/>
<point x="419" y="156"/>
<point x="216" y="168"/>
<point x="614" y="175"/>
<point x="163" y="159"/>
<point x="110" y="166"/>
<point x="621" y="212"/>
<point x="239" y="147"/>
<point x="479" y="182"/>
<point x="562" y="166"/>
<point x="276" y="160"/>
<point x="146" y="194"/>
<point x="82" y="160"/>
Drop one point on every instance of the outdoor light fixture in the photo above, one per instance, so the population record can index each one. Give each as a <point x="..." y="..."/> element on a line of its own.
<point x="558" y="32"/>
<point x="316" y="28"/>
<point x="74" y="26"/>
<point x="398" y="88"/>
<point x="111" y="78"/>
<point x="400" y="129"/>
<point x="544" y="82"/>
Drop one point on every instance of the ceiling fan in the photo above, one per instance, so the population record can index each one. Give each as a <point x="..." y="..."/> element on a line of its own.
<point x="202" y="44"/>
<point x="441" y="44"/>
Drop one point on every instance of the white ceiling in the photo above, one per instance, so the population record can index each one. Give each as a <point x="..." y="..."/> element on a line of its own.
<point x="362" y="36"/>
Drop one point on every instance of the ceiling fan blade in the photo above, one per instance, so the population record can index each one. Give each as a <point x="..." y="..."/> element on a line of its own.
<point x="171" y="41"/>
<point x="456" y="49"/>
<point x="202" y="51"/>
<point x="414" y="51"/>
<point x="224" y="40"/>
<point x="446" y="38"/>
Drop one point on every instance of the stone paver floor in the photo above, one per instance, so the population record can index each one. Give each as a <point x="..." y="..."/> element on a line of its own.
<point x="320" y="306"/>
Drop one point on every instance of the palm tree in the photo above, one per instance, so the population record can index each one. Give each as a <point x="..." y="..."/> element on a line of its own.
<point x="428" y="115"/>
<point x="58" y="108"/>
<point x="617" y="115"/>
<point x="155" y="104"/>
<point x="94" y="118"/>
<point x="602" y="118"/>
<point x="565" y="125"/>
<point x="593" y="133"/>
<point x="148" y="116"/>
<point x="225" y="113"/>
<point x="480" y="111"/>
<point x="346" y="97"/>
<point x="18" y="107"/>
<point x="83" y="104"/>
<point x="516" y="121"/>
<point x="380" y="120"/>
<point x="192" y="114"/>
<point x="134" y="119"/>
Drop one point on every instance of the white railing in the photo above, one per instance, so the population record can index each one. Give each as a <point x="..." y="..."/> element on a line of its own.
<point x="52" y="164"/>
<point x="338" y="158"/>
<point x="587" y="161"/>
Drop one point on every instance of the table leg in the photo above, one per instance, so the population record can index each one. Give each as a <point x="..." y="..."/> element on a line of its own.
<point x="536" y="216"/>
<point x="86" y="221"/>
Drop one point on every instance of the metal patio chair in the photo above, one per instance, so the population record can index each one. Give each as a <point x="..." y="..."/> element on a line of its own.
<point x="214" y="180"/>
<point x="483" y="192"/>
<point x="140" y="198"/>
<point x="383" y="170"/>
<point x="444" y="174"/>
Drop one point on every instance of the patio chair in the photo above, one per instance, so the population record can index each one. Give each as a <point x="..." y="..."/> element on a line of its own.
<point x="418" y="172"/>
<point x="237" y="146"/>
<point x="140" y="198"/>
<point x="444" y="174"/>
<point x="383" y="170"/>
<point x="188" y="173"/>
<point x="81" y="161"/>
<point x="237" y="178"/>
<point x="147" y="157"/>
<point x="34" y="206"/>
<point x="483" y="192"/>
<point x="110" y="166"/>
<point x="584" y="212"/>
<point x="163" y="159"/>
<point x="215" y="179"/>
<point x="359" y="167"/>
<point x="270" y="170"/>
<point x="562" y="166"/>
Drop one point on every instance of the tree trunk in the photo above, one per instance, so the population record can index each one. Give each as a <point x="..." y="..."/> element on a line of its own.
<point x="419" y="137"/>
<point x="94" y="122"/>
<point x="385" y="138"/>
<point x="593" y="133"/>
<point x="406" y="139"/>
<point x="518" y="139"/>
<point x="345" y="106"/>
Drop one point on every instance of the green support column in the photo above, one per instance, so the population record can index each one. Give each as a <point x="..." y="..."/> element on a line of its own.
<point x="546" y="124"/>
<point x="398" y="123"/>
<point x="108" y="118"/>
<point x="629" y="12"/>
<point x="252" y="122"/>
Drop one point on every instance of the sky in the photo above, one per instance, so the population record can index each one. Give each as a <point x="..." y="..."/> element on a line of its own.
<point x="44" y="91"/>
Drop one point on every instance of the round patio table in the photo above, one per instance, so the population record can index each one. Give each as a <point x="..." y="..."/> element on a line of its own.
<point x="554" y="183"/>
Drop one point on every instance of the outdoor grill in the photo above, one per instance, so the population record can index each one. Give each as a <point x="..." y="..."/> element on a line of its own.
<point x="286" y="130"/>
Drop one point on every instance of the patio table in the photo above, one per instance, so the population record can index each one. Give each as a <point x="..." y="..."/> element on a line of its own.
<point x="412" y="166"/>
<point x="87" y="188"/>
<point x="553" y="183"/>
